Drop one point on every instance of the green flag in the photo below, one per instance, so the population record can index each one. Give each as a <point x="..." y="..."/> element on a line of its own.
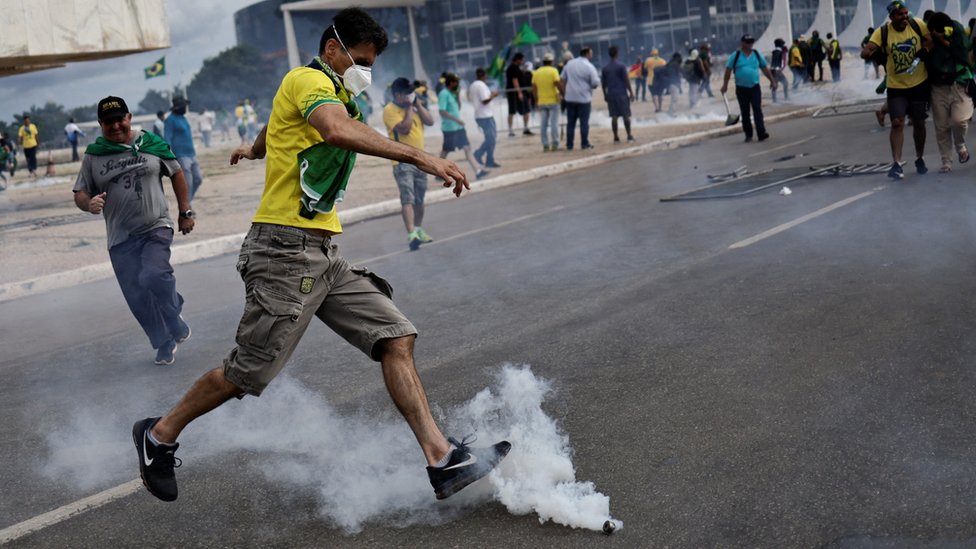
<point x="525" y="36"/>
<point x="156" y="69"/>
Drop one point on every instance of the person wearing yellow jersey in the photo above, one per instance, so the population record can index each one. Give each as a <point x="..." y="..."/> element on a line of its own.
<point x="547" y="88"/>
<point x="901" y="43"/>
<point x="405" y="117"/>
<point x="27" y="135"/>
<point x="292" y="270"/>
<point x="652" y="62"/>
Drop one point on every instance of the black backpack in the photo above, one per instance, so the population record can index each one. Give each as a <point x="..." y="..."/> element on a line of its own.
<point x="881" y="54"/>
<point x="777" y="58"/>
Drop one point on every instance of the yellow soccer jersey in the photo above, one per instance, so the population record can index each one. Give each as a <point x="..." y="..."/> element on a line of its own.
<point x="393" y="114"/>
<point x="545" y="79"/>
<point x="901" y="49"/>
<point x="302" y="90"/>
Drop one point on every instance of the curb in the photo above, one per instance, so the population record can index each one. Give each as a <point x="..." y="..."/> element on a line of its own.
<point x="188" y="253"/>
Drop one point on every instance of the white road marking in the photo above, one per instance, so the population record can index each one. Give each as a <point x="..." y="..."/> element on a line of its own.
<point x="65" y="512"/>
<point x="90" y="503"/>
<point x="789" y="225"/>
<point x="781" y="147"/>
<point x="461" y="235"/>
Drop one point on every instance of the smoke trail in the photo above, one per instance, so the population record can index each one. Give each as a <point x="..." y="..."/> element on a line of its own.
<point x="362" y="469"/>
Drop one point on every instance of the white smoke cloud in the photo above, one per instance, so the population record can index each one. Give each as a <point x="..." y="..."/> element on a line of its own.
<point x="362" y="469"/>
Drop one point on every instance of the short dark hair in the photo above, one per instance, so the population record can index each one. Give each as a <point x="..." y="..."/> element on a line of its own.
<point x="479" y="72"/>
<point x="451" y="77"/>
<point x="518" y="56"/>
<point x="358" y="27"/>
<point x="613" y="51"/>
<point x="584" y="51"/>
<point x="939" y="20"/>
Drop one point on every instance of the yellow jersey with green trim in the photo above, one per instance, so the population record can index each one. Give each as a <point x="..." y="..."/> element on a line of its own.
<point x="302" y="90"/>
<point x="393" y="114"/>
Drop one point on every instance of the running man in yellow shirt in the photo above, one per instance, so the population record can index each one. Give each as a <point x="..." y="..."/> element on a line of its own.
<point x="292" y="270"/>
<point x="901" y="40"/>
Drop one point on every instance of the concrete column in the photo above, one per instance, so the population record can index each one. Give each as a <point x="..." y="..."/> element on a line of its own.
<point x="954" y="10"/>
<point x="290" y="41"/>
<point x="418" y="62"/>
<point x="780" y="26"/>
<point x="824" y="20"/>
<point x="863" y="18"/>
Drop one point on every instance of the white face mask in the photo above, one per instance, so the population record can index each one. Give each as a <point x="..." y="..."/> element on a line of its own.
<point x="411" y="98"/>
<point x="357" y="77"/>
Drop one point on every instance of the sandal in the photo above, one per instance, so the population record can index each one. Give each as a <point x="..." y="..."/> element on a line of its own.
<point x="946" y="168"/>
<point x="963" y="156"/>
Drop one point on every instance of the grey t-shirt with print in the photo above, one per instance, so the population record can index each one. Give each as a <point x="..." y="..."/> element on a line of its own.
<point x="135" y="202"/>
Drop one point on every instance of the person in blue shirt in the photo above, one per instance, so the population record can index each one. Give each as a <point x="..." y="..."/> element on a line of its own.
<point x="179" y="135"/>
<point x="747" y="64"/>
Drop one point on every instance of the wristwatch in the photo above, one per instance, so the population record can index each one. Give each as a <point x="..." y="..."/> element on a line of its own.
<point x="188" y="214"/>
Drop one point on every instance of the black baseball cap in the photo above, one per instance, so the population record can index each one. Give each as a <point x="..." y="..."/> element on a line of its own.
<point x="402" y="86"/>
<point x="112" y="107"/>
<point x="748" y="38"/>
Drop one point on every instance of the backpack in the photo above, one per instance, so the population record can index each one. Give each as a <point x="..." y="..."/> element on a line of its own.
<point x="688" y="70"/>
<point x="881" y="54"/>
<point x="777" y="59"/>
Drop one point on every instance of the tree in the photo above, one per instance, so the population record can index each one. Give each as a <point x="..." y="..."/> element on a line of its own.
<point x="234" y="74"/>
<point x="153" y="102"/>
<point x="49" y="119"/>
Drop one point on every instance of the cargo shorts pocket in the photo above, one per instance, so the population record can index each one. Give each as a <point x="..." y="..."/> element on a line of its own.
<point x="269" y="320"/>
<point x="381" y="284"/>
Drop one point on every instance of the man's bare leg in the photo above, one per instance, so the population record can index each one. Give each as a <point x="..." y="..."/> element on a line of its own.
<point x="209" y="392"/>
<point x="897" y="137"/>
<point x="918" y="133"/>
<point x="409" y="217"/>
<point x="407" y="392"/>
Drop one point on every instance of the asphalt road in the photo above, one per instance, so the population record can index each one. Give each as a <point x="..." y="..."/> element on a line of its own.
<point x="813" y="388"/>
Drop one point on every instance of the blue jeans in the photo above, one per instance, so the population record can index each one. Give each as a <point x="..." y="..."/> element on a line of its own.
<point x="145" y="276"/>
<point x="485" y="154"/>
<point x="191" y="171"/>
<point x="574" y="112"/>
<point x="550" y="121"/>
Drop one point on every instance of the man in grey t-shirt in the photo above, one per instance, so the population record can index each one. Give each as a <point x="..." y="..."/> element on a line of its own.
<point x="121" y="178"/>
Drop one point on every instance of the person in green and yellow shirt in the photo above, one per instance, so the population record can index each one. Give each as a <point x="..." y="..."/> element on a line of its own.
<point x="293" y="272"/>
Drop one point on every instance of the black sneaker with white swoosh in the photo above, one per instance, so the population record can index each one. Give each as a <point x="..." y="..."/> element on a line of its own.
<point x="465" y="466"/>
<point x="156" y="462"/>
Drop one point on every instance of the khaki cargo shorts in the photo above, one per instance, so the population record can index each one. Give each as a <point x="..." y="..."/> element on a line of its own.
<point x="289" y="277"/>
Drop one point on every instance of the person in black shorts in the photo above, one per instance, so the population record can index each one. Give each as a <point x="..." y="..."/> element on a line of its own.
<point x="517" y="103"/>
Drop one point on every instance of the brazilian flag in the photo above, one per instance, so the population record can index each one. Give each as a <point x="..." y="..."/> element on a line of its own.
<point x="497" y="68"/>
<point x="156" y="69"/>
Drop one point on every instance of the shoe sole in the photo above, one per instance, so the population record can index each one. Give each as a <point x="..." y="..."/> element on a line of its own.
<point x="462" y="481"/>
<point x="189" y="332"/>
<point x="167" y="363"/>
<point x="137" y="433"/>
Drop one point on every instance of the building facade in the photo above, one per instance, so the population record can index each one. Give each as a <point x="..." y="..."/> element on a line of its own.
<point x="460" y="35"/>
